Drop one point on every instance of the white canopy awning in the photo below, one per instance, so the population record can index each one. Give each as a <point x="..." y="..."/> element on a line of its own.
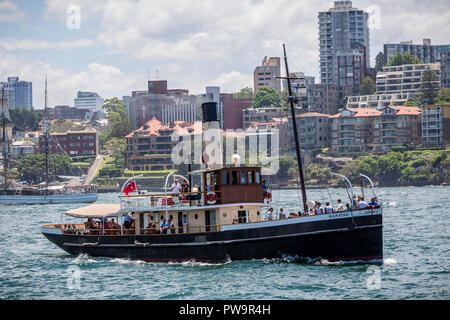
<point x="99" y="210"/>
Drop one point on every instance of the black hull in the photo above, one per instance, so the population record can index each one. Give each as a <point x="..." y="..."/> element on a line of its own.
<point x="335" y="240"/>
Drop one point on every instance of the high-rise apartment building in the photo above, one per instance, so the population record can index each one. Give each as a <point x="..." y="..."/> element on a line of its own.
<point x="344" y="45"/>
<point x="265" y="74"/>
<point x="444" y="52"/>
<point x="18" y="93"/>
<point x="426" y="52"/>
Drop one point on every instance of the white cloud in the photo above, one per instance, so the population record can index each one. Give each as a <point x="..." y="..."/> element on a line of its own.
<point x="63" y="85"/>
<point x="10" y="12"/>
<point x="29" y="44"/>
<point x="197" y="43"/>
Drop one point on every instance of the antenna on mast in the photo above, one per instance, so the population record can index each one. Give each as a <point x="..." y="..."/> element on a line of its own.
<point x="4" y="141"/>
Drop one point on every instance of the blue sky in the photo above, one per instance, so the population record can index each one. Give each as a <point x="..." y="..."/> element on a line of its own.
<point x="192" y="44"/>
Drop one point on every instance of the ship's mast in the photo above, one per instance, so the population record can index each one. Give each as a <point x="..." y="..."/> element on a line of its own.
<point x="4" y="142"/>
<point x="294" y="124"/>
<point x="46" y="134"/>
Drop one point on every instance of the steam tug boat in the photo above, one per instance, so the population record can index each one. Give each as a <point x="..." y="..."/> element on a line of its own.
<point x="225" y="219"/>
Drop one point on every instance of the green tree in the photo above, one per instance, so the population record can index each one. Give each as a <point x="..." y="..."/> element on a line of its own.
<point x="430" y="87"/>
<point x="32" y="167"/>
<point x="245" y="93"/>
<point x="118" y="122"/>
<point x="379" y="61"/>
<point x="399" y="59"/>
<point x="266" y="97"/>
<point x="367" y="86"/>
<point x="24" y="118"/>
<point x="444" y="96"/>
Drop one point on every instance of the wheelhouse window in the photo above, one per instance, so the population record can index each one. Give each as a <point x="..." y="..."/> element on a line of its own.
<point x="234" y="177"/>
<point x="243" y="177"/>
<point x="250" y="177"/>
<point x="257" y="178"/>
<point x="225" y="178"/>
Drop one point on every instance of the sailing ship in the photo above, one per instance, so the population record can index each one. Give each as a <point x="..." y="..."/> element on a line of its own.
<point x="225" y="219"/>
<point x="45" y="193"/>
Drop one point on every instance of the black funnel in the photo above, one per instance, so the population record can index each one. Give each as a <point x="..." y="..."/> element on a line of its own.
<point x="209" y="110"/>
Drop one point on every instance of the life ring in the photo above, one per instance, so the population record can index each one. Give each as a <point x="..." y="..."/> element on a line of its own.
<point x="211" y="195"/>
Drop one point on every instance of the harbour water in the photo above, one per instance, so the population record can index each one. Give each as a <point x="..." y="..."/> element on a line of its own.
<point x="416" y="264"/>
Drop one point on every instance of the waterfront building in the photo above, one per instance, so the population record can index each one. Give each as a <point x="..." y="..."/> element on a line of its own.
<point x="375" y="101"/>
<point x="405" y="78"/>
<point x="344" y="45"/>
<point x="71" y="143"/>
<point x="150" y="147"/>
<point x="18" y="93"/>
<point x="314" y="130"/>
<point x="435" y="125"/>
<point x="362" y="130"/>
<point x="426" y="52"/>
<point x="444" y="52"/>
<point x="90" y="101"/>
<point x="23" y="148"/>
<point x="265" y="74"/>
<point x="326" y="98"/>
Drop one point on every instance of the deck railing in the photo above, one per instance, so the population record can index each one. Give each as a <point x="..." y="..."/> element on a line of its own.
<point x="185" y="199"/>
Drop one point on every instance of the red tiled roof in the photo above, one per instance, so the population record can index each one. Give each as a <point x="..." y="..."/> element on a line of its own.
<point x="154" y="126"/>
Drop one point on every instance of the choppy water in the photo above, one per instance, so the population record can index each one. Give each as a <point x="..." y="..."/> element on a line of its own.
<point x="416" y="265"/>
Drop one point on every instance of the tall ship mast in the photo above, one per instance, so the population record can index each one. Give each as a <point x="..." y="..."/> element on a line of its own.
<point x="44" y="193"/>
<point x="228" y="216"/>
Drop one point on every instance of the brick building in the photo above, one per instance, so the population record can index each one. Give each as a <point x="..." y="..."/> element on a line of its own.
<point x="71" y="143"/>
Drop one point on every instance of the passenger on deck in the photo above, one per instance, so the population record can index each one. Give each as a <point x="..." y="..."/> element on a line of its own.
<point x="347" y="207"/>
<point x="340" y="206"/>
<point x="270" y="214"/>
<point x="319" y="209"/>
<point x="282" y="214"/>
<point x="176" y="188"/>
<point x="361" y="203"/>
<point x="163" y="227"/>
<point x="328" y="208"/>
<point x="373" y="202"/>
<point x="127" y="221"/>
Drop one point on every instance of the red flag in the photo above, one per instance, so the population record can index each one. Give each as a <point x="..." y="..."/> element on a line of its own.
<point x="129" y="187"/>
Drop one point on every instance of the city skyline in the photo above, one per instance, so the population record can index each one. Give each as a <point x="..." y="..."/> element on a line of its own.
<point x="121" y="44"/>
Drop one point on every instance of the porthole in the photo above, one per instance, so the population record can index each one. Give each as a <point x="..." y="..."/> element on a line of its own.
<point x="224" y="214"/>
<point x="171" y="217"/>
<point x="257" y="213"/>
<point x="196" y="216"/>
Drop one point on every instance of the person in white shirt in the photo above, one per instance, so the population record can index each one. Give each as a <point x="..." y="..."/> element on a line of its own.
<point x="362" y="204"/>
<point x="340" y="206"/>
<point x="270" y="214"/>
<point x="176" y="187"/>
<point x="328" y="208"/>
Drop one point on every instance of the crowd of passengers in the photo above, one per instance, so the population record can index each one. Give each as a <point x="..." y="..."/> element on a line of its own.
<point x="93" y="227"/>
<point x="327" y="209"/>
